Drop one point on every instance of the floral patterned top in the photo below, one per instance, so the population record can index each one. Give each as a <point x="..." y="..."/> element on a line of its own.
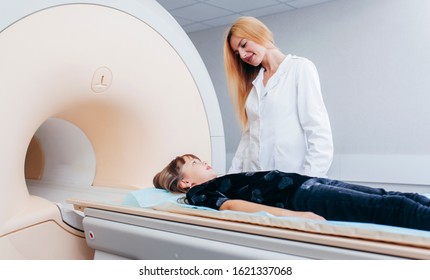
<point x="272" y="188"/>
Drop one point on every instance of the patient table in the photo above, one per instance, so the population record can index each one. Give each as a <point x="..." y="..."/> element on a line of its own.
<point x="173" y="231"/>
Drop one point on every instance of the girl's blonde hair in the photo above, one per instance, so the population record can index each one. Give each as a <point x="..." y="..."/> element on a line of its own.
<point x="240" y="74"/>
<point x="169" y="177"/>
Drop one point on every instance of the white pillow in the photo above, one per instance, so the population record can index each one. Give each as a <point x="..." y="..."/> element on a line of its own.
<point x="150" y="197"/>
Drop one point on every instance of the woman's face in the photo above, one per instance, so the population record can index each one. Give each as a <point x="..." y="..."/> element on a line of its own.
<point x="195" y="172"/>
<point x="249" y="51"/>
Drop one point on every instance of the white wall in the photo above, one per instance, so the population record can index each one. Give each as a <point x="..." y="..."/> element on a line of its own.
<point x="373" y="58"/>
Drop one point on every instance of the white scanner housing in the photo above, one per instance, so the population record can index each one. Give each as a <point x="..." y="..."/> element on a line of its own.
<point x="95" y="98"/>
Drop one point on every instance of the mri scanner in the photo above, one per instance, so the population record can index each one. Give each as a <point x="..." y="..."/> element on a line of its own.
<point x="95" y="98"/>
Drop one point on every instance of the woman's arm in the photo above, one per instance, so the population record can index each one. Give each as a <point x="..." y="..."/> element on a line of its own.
<point x="237" y="162"/>
<point x="315" y="122"/>
<point x="251" y="207"/>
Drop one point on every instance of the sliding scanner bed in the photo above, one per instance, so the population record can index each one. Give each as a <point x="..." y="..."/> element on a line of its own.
<point x="154" y="224"/>
<point x="95" y="98"/>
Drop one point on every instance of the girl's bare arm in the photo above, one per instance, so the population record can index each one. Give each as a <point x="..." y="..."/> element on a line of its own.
<point x="251" y="207"/>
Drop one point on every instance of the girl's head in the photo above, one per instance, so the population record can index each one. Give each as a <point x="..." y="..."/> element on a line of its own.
<point x="240" y="70"/>
<point x="183" y="173"/>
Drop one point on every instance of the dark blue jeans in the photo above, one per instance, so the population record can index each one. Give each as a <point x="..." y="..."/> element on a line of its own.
<point x="340" y="201"/>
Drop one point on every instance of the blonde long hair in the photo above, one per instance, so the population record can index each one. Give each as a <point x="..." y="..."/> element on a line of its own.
<point x="240" y="74"/>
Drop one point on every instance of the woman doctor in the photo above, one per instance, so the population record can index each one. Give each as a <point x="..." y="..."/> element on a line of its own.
<point x="278" y="100"/>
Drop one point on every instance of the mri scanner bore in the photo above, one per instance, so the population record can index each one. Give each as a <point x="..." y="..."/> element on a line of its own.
<point x="86" y="112"/>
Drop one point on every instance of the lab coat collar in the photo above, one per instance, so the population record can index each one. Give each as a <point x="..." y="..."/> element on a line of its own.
<point x="274" y="80"/>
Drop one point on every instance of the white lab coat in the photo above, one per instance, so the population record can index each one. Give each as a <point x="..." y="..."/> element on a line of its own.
<point x="288" y="125"/>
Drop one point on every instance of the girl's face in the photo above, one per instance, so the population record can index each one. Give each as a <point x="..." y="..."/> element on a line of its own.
<point x="249" y="51"/>
<point x="195" y="172"/>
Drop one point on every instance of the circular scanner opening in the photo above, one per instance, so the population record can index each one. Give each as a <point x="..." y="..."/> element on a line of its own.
<point x="60" y="159"/>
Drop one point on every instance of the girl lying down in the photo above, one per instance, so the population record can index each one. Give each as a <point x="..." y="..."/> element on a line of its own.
<point x="291" y="194"/>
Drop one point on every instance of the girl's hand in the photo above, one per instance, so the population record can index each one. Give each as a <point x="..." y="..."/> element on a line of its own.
<point x="251" y="207"/>
<point x="310" y="215"/>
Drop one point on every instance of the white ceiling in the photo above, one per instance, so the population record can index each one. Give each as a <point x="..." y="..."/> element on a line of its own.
<point x="196" y="15"/>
